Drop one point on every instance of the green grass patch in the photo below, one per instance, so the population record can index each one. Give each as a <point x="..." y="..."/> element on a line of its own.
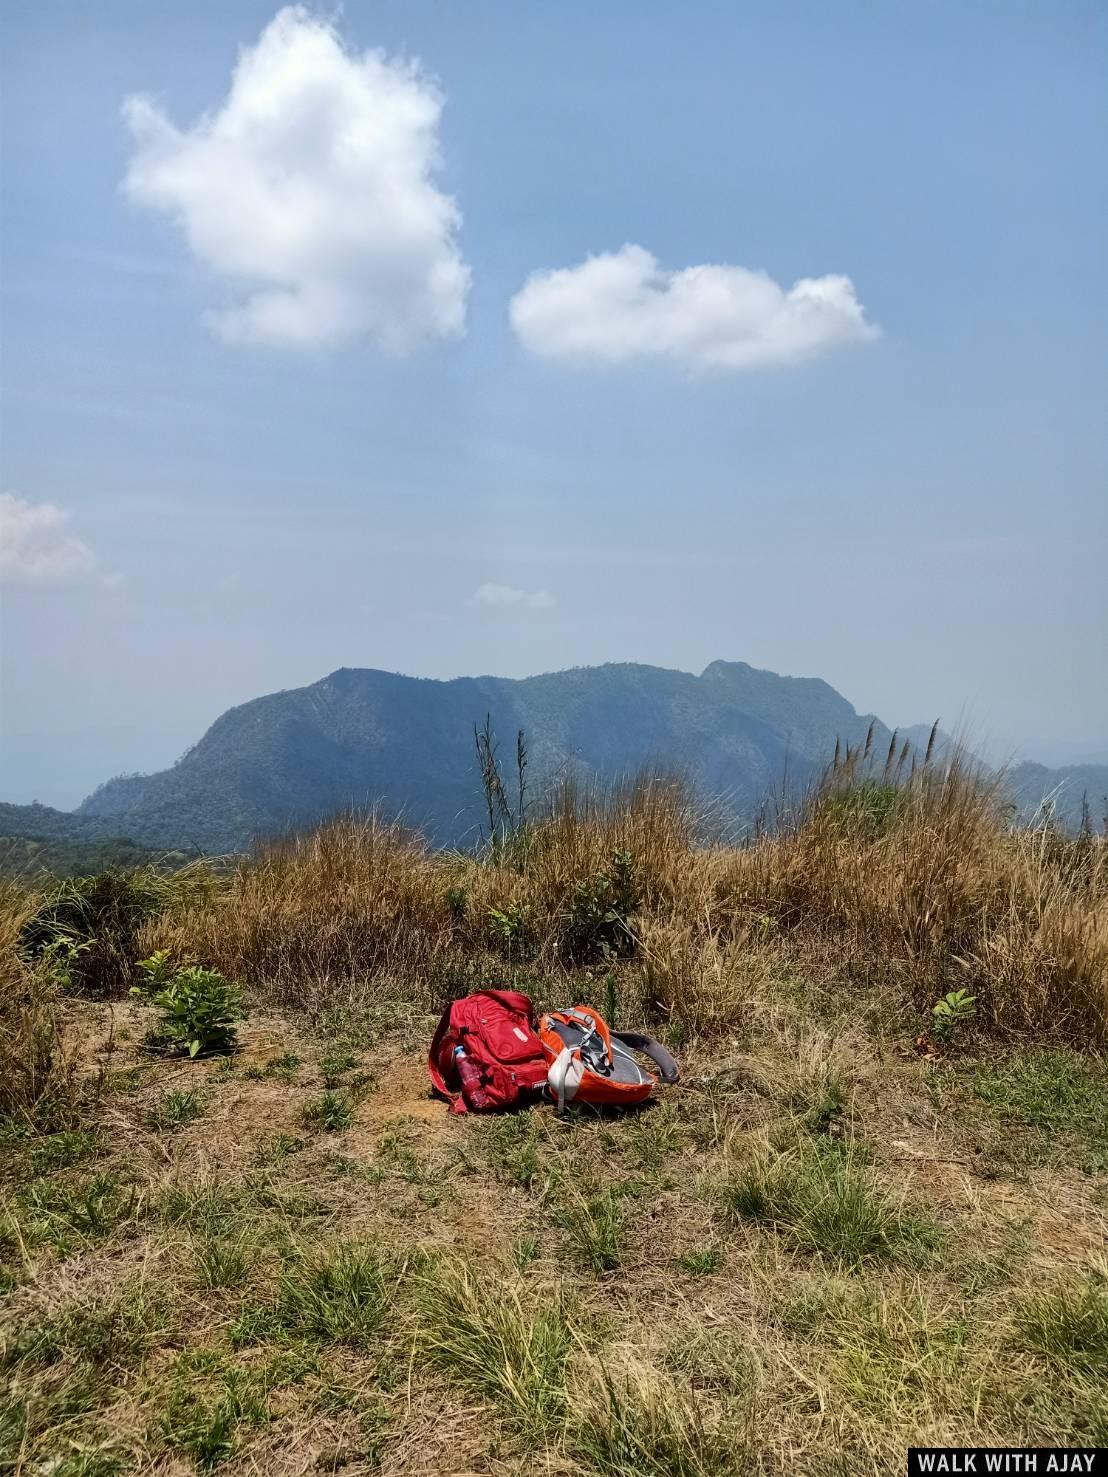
<point x="109" y="1331"/>
<point x="208" y="1401"/>
<point x="331" y="1112"/>
<point x="206" y="1206"/>
<point x="595" y="1225"/>
<point x="273" y="1152"/>
<point x="63" y="1150"/>
<point x="65" y="1215"/>
<point x="1068" y="1325"/>
<point x="221" y="1261"/>
<point x="644" y="1424"/>
<point x="511" y="1145"/>
<point x="1055" y="1091"/>
<point x="339" y="1295"/>
<point x="60" y="1370"/>
<point x="824" y="1200"/>
<point x="500" y="1346"/>
<point x="701" y="1263"/>
<point x="176" y="1109"/>
<point x="335" y="1066"/>
<point x="895" y="1358"/>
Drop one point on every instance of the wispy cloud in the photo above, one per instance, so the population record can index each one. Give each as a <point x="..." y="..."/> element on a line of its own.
<point x="314" y="183"/>
<point x="623" y="306"/>
<point x="490" y="594"/>
<point x="36" y="546"/>
<point x="35" y="543"/>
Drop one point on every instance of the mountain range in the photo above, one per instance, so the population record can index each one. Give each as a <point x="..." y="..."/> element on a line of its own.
<point x="360" y="737"/>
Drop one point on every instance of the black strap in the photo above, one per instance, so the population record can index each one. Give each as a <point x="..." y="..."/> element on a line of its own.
<point x="657" y="1053"/>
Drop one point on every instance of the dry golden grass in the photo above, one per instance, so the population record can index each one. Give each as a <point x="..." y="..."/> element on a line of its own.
<point x="36" y="1071"/>
<point x="816" y="1249"/>
<point x="922" y="883"/>
<point x="240" y="1292"/>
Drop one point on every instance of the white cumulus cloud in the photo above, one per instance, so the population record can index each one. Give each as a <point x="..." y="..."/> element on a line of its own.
<point x="489" y="594"/>
<point x="35" y="543"/>
<point x="623" y="305"/>
<point x="312" y="187"/>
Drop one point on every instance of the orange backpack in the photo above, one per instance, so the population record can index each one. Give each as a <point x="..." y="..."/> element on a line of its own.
<point x="591" y="1063"/>
<point x="487" y="1054"/>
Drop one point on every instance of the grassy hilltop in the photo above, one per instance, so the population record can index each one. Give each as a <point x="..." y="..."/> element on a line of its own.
<point x="874" y="1210"/>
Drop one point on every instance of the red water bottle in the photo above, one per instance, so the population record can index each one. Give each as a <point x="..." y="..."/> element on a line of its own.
<point x="471" y="1078"/>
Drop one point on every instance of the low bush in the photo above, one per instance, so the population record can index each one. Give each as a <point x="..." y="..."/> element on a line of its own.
<point x="38" y="1076"/>
<point x="917" y="882"/>
<point x="199" y="1010"/>
<point x="97" y="921"/>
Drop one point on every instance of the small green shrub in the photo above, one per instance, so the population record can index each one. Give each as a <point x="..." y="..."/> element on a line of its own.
<point x="951" y="1013"/>
<point x="597" y="923"/>
<point x="157" y="971"/>
<point x="89" y="925"/>
<point x="199" y="1009"/>
<point x="509" y="928"/>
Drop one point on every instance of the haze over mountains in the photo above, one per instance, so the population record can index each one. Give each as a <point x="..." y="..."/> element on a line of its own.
<point x="361" y="737"/>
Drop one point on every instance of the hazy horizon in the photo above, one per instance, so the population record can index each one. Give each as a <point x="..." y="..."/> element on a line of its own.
<point x="1071" y="754"/>
<point x="398" y="338"/>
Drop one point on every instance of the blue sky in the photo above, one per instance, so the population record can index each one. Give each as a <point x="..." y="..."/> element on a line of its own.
<point x="910" y="499"/>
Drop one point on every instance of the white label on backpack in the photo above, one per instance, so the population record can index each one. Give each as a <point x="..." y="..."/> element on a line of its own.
<point x="521" y="1034"/>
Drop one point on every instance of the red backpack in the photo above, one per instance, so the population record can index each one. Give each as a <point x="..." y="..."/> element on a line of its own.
<point x="488" y="1054"/>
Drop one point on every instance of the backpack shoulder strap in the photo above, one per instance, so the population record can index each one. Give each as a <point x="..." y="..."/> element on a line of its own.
<point x="667" y="1066"/>
<point x="438" y="1082"/>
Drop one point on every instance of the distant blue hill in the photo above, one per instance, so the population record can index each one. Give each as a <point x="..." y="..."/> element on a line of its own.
<point x="361" y="737"/>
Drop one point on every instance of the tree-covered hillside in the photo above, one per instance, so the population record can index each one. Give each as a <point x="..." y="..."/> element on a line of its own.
<point x="362" y="737"/>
